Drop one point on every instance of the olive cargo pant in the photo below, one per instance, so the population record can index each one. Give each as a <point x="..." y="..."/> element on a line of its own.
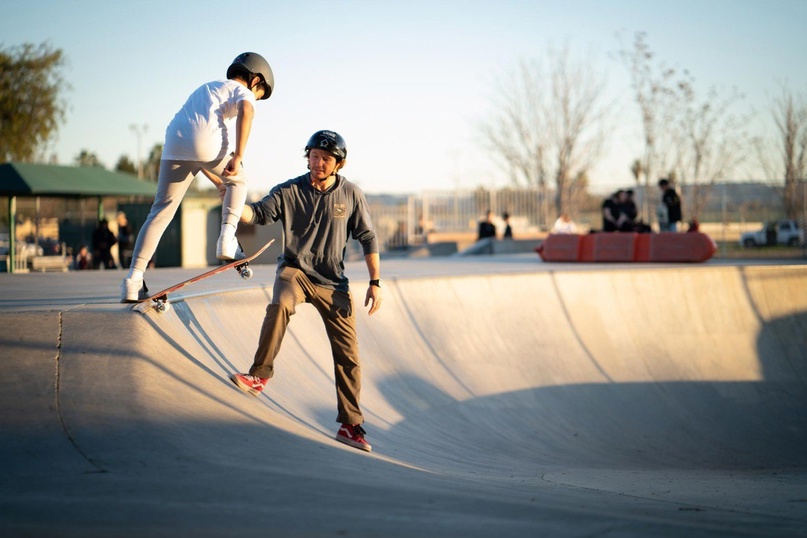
<point x="292" y="287"/>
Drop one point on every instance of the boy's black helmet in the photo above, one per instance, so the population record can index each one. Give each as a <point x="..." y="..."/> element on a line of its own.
<point x="254" y="64"/>
<point x="329" y="141"/>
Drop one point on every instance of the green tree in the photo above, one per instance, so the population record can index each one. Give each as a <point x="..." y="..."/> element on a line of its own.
<point x="151" y="168"/>
<point x="31" y="102"/>
<point x="126" y="166"/>
<point x="87" y="158"/>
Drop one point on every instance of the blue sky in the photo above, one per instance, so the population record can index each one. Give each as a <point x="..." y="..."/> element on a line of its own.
<point x="407" y="83"/>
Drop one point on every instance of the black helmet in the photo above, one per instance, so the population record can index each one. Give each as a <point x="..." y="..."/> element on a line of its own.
<point x="254" y="64"/>
<point x="329" y="141"/>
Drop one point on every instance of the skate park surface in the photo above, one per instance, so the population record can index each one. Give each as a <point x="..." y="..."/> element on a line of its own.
<point x="503" y="396"/>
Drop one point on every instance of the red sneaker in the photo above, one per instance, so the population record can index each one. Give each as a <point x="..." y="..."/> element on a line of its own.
<point x="249" y="383"/>
<point x="353" y="436"/>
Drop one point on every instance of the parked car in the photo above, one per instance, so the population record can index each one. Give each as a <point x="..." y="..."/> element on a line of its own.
<point x="782" y="232"/>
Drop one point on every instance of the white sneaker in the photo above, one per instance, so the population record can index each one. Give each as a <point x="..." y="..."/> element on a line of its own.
<point x="132" y="291"/>
<point x="226" y="247"/>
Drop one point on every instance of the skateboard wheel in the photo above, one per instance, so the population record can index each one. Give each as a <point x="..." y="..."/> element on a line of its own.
<point x="246" y="273"/>
<point x="162" y="307"/>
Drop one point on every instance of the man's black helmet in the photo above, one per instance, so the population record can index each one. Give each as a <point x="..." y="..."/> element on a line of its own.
<point x="254" y="64"/>
<point x="329" y="141"/>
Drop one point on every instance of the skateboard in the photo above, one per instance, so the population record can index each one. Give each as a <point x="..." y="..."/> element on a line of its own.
<point x="159" y="301"/>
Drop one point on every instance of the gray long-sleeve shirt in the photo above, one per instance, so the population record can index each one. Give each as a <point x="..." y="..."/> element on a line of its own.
<point x="317" y="226"/>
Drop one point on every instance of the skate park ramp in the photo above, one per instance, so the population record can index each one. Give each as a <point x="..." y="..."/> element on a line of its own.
<point x="503" y="397"/>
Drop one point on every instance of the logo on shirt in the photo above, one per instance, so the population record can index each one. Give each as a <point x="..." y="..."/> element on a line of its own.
<point x="339" y="211"/>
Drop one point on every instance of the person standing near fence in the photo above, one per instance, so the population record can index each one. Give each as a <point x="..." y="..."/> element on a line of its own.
<point x="102" y="242"/>
<point x="610" y="212"/>
<point x="125" y="240"/>
<point x="669" y="208"/>
<point x="508" y="230"/>
<point x="486" y="227"/>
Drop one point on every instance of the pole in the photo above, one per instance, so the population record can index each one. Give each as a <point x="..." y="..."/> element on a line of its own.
<point x="804" y="215"/>
<point x="724" y="215"/>
<point x="139" y="131"/>
<point x="12" y="233"/>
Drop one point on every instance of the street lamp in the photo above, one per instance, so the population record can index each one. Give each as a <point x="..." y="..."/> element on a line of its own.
<point x="139" y="131"/>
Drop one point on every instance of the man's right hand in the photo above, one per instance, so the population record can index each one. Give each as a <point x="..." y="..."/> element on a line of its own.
<point x="217" y="181"/>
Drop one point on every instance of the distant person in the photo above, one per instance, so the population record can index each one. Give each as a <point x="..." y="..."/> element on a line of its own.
<point x="83" y="259"/>
<point x="669" y="208"/>
<point x="198" y="140"/>
<point x="508" y="230"/>
<point x="564" y="225"/>
<point x="486" y="227"/>
<point x="610" y="212"/>
<point x="125" y="239"/>
<point x="626" y="206"/>
<point x="694" y="225"/>
<point x="102" y="242"/>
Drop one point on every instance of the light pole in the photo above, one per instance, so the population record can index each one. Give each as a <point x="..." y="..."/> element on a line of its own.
<point x="139" y="131"/>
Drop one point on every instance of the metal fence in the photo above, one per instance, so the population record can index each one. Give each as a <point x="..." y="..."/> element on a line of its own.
<point x="403" y="221"/>
<point x="406" y="220"/>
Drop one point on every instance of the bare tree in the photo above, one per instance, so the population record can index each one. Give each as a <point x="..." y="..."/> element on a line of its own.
<point x="787" y="157"/>
<point x="698" y="142"/>
<point x="657" y="90"/>
<point x="713" y="143"/>
<point x="516" y="133"/>
<point x="549" y="125"/>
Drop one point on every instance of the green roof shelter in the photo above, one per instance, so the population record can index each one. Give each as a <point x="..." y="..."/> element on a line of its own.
<point x="35" y="180"/>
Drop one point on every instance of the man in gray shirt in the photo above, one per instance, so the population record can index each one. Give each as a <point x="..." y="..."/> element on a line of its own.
<point x="319" y="212"/>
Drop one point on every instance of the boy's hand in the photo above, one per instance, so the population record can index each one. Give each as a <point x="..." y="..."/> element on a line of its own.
<point x="233" y="167"/>
<point x="216" y="180"/>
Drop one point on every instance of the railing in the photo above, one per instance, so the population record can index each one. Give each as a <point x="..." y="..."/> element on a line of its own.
<point x="403" y="222"/>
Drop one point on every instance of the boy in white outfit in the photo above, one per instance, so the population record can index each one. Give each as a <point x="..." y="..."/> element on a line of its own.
<point x="197" y="140"/>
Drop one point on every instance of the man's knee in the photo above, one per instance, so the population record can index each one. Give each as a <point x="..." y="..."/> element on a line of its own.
<point x="284" y="309"/>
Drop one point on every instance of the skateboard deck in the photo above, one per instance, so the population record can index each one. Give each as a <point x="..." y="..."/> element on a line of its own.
<point x="159" y="300"/>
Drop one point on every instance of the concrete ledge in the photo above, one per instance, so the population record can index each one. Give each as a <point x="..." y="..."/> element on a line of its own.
<point x="50" y="263"/>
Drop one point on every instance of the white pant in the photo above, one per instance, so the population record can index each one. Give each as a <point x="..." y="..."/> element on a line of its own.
<point x="175" y="178"/>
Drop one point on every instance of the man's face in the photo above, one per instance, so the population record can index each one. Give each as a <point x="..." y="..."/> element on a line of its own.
<point x="321" y="164"/>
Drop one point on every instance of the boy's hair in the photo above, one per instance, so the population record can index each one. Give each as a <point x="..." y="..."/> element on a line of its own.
<point x="241" y="73"/>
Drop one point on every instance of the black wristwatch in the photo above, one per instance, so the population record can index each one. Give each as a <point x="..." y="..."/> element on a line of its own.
<point x="376" y="282"/>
